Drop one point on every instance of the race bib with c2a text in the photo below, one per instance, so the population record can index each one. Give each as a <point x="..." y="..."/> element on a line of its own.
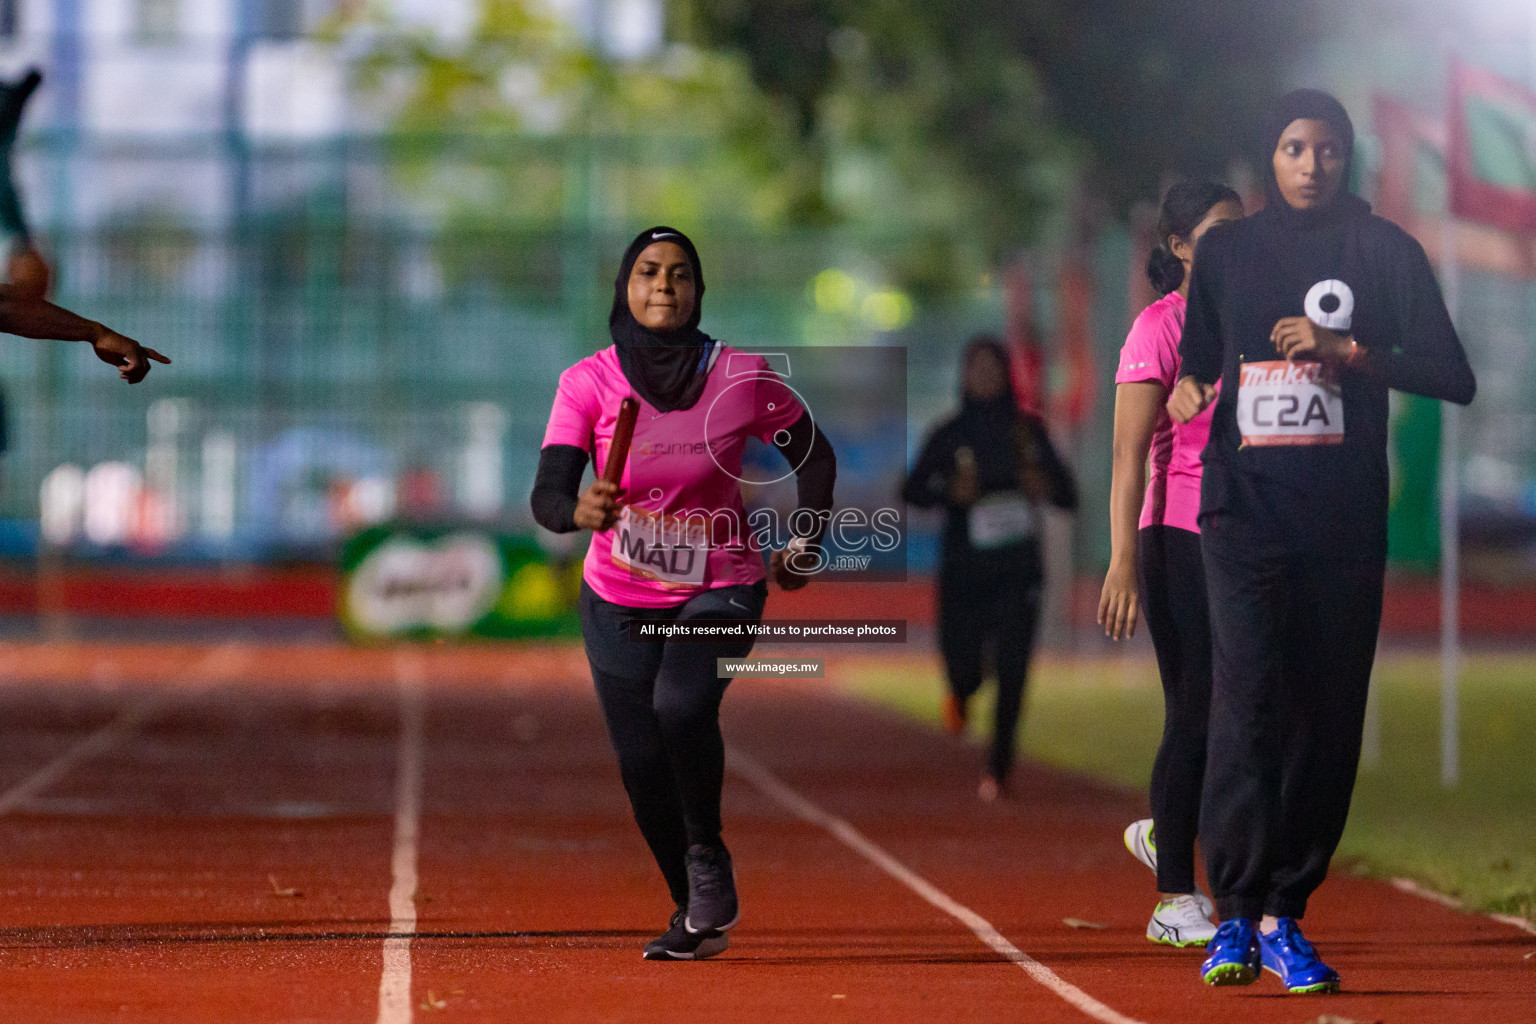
<point x="1283" y="403"/>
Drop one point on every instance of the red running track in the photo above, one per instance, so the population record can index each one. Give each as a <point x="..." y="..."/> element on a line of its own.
<point x="224" y="834"/>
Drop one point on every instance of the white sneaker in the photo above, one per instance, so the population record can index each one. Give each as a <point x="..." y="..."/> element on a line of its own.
<point x="1140" y="840"/>
<point x="1180" y="922"/>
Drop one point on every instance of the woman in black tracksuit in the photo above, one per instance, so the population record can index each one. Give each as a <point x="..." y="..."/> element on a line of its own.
<point x="1307" y="312"/>
<point x="990" y="467"/>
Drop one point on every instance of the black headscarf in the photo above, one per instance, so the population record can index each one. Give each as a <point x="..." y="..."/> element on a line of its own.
<point x="668" y="370"/>
<point x="987" y="424"/>
<point x="1004" y="406"/>
<point x="1311" y="105"/>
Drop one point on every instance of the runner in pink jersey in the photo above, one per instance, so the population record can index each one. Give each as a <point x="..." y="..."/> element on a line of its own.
<point x="1151" y="355"/>
<point x="684" y="461"/>
<point x="671" y="544"/>
<point x="1155" y="566"/>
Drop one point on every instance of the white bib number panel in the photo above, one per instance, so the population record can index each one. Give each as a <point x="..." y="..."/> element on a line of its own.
<point x="1283" y="403"/>
<point x="660" y="548"/>
<point x="1001" y="519"/>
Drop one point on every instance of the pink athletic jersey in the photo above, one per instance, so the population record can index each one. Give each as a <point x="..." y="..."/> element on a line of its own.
<point x="1151" y="352"/>
<point x="683" y="527"/>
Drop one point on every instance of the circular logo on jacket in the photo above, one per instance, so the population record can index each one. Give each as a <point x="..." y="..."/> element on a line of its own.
<point x="1331" y="304"/>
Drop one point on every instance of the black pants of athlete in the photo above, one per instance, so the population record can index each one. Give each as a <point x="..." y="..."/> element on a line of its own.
<point x="1172" y="577"/>
<point x="661" y="700"/>
<point x="989" y="604"/>
<point x="1294" y="638"/>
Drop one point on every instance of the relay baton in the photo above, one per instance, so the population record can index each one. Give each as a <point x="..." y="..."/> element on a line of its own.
<point x="623" y="432"/>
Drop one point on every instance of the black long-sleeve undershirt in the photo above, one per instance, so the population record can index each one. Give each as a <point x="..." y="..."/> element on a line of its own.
<point x="556" y="485"/>
<point x="808" y="450"/>
<point x="558" y="480"/>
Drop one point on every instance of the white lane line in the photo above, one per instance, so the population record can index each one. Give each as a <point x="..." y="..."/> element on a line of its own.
<point x="395" y="982"/>
<point x="224" y="660"/>
<point x="1413" y="888"/>
<point x="1514" y="922"/>
<point x="772" y="786"/>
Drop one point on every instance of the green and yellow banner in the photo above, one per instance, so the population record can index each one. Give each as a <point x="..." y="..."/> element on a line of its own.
<point x="404" y="582"/>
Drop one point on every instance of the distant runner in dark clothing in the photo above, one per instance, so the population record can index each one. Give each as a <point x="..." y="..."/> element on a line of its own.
<point x="1307" y="312"/>
<point x="990" y="467"/>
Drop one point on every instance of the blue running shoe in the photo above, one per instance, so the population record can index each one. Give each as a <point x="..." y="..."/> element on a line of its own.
<point x="1234" y="958"/>
<point x="1288" y="955"/>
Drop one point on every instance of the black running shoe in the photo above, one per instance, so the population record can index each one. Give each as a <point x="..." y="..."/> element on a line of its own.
<point x="678" y="943"/>
<point x="712" y="905"/>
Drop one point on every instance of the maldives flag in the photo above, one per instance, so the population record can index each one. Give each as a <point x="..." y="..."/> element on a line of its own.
<point x="1491" y="158"/>
<point x="1410" y="139"/>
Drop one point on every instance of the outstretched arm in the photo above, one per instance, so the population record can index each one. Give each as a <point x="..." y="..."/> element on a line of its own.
<point x="34" y="318"/>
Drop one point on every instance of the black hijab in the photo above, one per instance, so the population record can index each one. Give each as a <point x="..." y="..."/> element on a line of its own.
<point x="987" y="422"/>
<point x="1311" y="105"/>
<point x="667" y="370"/>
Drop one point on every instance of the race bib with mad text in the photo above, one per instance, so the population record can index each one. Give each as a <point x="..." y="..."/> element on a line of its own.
<point x="661" y="548"/>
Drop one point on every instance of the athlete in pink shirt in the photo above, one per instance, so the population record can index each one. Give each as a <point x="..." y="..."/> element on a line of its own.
<point x="1155" y="567"/>
<point x="684" y="461"/>
<point x="671" y="545"/>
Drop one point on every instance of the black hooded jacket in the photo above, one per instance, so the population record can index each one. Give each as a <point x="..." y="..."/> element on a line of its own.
<point x="1251" y="273"/>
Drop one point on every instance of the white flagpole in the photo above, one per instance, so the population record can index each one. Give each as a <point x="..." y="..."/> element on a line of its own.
<point x="1450" y="535"/>
<point x="1370" y="739"/>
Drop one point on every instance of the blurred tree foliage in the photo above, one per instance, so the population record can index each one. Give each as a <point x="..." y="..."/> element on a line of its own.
<point x="1146" y="88"/>
<point x="522" y="127"/>
<point x="947" y="137"/>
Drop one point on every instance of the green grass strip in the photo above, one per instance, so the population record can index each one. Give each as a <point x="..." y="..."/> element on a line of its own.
<point x="1102" y="717"/>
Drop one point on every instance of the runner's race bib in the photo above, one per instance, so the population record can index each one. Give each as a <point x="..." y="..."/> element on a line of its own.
<point x="659" y="547"/>
<point x="1001" y="519"/>
<point x="1288" y="403"/>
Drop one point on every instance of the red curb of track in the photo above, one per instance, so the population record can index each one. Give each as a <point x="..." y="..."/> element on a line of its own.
<point x="246" y="592"/>
<point x="1411" y="608"/>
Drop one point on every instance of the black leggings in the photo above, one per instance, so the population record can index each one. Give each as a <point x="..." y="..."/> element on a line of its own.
<point x="661" y="700"/>
<point x="1178" y="617"/>
<point x="1294" y="637"/>
<point x="996" y="605"/>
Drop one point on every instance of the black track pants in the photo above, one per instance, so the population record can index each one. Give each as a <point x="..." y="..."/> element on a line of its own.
<point x="1173" y="600"/>
<point x="1294" y="638"/>
<point x="996" y="606"/>
<point x="661" y="701"/>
